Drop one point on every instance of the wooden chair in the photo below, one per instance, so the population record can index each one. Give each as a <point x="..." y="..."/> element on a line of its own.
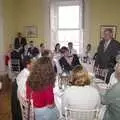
<point x="27" y="108"/>
<point x="79" y="114"/>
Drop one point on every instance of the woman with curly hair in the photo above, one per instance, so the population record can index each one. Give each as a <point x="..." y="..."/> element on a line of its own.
<point x="40" y="88"/>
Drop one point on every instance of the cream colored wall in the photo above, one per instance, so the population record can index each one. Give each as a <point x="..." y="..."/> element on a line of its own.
<point x="1" y="28"/>
<point x="103" y="12"/>
<point x="20" y="13"/>
<point x="9" y="22"/>
<point x="30" y="12"/>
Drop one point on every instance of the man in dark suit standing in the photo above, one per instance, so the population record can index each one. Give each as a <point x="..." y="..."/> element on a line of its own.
<point x="107" y="52"/>
<point x="19" y="41"/>
<point x="19" y="45"/>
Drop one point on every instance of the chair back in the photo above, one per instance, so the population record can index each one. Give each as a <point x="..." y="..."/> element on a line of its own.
<point x="79" y="114"/>
<point x="63" y="81"/>
<point x="101" y="73"/>
<point x="14" y="68"/>
<point x="27" y="108"/>
<point x="15" y="65"/>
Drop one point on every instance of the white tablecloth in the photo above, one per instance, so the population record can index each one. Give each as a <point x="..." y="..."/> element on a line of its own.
<point x="88" y="67"/>
<point x="58" y="93"/>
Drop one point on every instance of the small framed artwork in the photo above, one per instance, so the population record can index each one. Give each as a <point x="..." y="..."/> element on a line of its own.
<point x="112" y="27"/>
<point x="31" y="31"/>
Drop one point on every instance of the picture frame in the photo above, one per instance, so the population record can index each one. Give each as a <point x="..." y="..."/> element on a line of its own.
<point x="103" y="27"/>
<point x="31" y="31"/>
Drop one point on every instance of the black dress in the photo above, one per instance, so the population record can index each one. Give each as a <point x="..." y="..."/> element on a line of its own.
<point x="66" y="66"/>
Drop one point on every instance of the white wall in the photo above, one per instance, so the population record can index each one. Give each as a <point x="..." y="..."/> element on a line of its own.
<point x="2" y="63"/>
<point x="1" y="28"/>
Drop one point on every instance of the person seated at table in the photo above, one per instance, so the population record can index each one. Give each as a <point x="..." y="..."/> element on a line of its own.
<point x="42" y="48"/>
<point x="67" y="62"/>
<point x="48" y="53"/>
<point x="72" y="51"/>
<point x="40" y="88"/>
<point x="57" y="51"/>
<point x="32" y="50"/>
<point x="80" y="95"/>
<point x="87" y="55"/>
<point x="112" y="99"/>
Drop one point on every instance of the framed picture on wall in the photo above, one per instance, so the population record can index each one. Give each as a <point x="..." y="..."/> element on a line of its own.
<point x="31" y="31"/>
<point x="112" y="27"/>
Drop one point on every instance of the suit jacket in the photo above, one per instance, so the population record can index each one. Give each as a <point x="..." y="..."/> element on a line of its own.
<point x="18" y="44"/>
<point x="106" y="59"/>
<point x="66" y="66"/>
<point x="33" y="52"/>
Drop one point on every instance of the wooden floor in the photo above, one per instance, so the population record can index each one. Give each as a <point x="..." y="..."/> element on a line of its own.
<point x="5" y="94"/>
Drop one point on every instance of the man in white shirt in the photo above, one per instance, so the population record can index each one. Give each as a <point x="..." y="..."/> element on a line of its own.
<point x="19" y="85"/>
<point x="22" y="78"/>
<point x="71" y="49"/>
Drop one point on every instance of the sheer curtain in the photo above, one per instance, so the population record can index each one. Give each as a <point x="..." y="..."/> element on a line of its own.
<point x="57" y="31"/>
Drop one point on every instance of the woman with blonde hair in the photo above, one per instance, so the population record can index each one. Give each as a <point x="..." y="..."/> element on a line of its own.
<point x="40" y="88"/>
<point x="80" y="94"/>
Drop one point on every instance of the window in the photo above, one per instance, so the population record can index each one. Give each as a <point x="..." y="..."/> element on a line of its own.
<point x="66" y="23"/>
<point x="69" y="26"/>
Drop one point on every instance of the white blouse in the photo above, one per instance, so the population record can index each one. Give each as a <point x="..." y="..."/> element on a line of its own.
<point x="21" y="81"/>
<point x="85" y="97"/>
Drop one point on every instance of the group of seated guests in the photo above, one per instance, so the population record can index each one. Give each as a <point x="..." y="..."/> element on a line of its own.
<point x="37" y="81"/>
<point x="64" y="58"/>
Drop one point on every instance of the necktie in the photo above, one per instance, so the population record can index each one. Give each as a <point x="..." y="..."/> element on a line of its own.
<point x="105" y="46"/>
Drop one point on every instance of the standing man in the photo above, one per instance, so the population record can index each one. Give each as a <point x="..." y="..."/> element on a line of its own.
<point x="19" y="46"/>
<point x="107" y="52"/>
<point x="19" y="41"/>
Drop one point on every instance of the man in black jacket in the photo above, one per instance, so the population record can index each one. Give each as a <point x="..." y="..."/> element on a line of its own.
<point x="19" y="41"/>
<point x="32" y="50"/>
<point x="107" y="52"/>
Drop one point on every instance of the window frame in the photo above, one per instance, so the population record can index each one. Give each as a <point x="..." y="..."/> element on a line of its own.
<point x="71" y="3"/>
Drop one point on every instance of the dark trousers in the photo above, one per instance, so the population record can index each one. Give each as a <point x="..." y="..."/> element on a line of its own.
<point x="15" y="105"/>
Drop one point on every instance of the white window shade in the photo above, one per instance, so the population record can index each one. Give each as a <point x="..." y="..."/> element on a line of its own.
<point x="68" y="17"/>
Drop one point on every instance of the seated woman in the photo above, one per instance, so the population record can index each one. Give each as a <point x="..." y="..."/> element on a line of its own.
<point x="67" y="62"/>
<point x="40" y="88"/>
<point x="112" y="99"/>
<point x="87" y="57"/>
<point x="57" y="54"/>
<point x="80" y="94"/>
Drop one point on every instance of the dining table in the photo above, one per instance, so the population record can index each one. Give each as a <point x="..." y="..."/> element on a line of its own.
<point x="99" y="84"/>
